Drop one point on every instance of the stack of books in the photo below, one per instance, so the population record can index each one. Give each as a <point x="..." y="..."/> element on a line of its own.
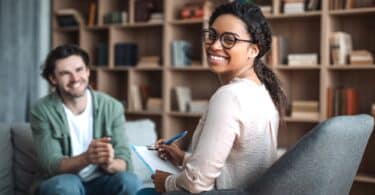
<point x="149" y="61"/>
<point x="303" y="59"/>
<point x="154" y="104"/>
<point x="197" y="106"/>
<point x="294" y="6"/>
<point x="305" y="109"/>
<point x="361" y="57"/>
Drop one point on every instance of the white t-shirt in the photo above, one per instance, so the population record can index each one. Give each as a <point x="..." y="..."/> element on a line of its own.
<point x="81" y="135"/>
<point x="234" y="142"/>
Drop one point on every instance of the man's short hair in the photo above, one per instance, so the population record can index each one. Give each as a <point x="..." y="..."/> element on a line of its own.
<point x="60" y="52"/>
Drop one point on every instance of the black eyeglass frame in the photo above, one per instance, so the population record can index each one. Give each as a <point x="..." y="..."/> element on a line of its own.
<point x="221" y="36"/>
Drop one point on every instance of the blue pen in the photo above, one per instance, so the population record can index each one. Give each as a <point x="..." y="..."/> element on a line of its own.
<point x="170" y="141"/>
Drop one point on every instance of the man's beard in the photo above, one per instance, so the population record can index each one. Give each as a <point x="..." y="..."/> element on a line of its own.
<point x="73" y="94"/>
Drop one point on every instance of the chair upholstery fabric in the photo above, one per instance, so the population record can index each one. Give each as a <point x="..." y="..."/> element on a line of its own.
<point x="323" y="162"/>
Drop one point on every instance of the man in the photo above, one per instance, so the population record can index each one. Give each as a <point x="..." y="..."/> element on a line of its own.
<point x="79" y="133"/>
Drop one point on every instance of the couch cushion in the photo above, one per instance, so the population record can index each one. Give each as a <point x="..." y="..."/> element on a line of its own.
<point x="6" y="175"/>
<point x="25" y="162"/>
<point x="141" y="132"/>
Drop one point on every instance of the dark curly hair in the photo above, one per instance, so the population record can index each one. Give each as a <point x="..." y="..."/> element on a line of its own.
<point x="260" y="33"/>
<point x="61" y="52"/>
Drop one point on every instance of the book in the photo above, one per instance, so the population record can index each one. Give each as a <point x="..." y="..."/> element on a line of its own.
<point x="92" y="14"/>
<point x="351" y="101"/>
<point x="341" y="46"/>
<point x="126" y="54"/>
<point x="313" y="5"/>
<point x="303" y="59"/>
<point x="135" y="98"/>
<point x="102" y="54"/>
<point x="330" y="100"/>
<point x="294" y="7"/>
<point x="361" y="57"/>
<point x="149" y="61"/>
<point x="197" y="106"/>
<point x="151" y="159"/>
<point x="181" y="53"/>
<point x="154" y="104"/>
<point x="183" y="97"/>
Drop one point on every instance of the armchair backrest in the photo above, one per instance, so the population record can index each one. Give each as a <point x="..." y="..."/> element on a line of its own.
<point x="324" y="161"/>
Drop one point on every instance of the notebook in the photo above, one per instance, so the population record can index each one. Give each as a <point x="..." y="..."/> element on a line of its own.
<point x="152" y="160"/>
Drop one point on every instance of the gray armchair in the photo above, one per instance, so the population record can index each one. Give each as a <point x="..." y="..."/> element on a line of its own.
<point x="324" y="161"/>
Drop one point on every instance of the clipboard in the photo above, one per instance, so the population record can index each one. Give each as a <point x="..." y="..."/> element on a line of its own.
<point x="152" y="161"/>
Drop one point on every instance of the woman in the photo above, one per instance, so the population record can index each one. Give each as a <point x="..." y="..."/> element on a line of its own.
<point x="236" y="139"/>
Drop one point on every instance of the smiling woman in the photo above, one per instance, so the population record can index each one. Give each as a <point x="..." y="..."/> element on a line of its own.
<point x="236" y="139"/>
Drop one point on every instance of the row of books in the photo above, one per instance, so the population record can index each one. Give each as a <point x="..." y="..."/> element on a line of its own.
<point x="305" y="109"/>
<point x="348" y="4"/>
<point x="291" y="6"/>
<point x="342" y="101"/>
<point x="115" y="17"/>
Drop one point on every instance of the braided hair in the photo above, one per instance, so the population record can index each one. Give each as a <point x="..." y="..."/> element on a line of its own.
<point x="260" y="32"/>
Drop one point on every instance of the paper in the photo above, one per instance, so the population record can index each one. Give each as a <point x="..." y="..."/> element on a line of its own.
<point x="152" y="160"/>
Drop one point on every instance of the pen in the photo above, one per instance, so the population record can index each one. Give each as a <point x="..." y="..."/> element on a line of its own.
<point x="170" y="141"/>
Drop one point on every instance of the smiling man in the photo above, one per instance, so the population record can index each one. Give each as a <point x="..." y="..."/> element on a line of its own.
<point x="79" y="133"/>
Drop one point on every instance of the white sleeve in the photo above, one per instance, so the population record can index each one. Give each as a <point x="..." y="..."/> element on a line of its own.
<point x="213" y="147"/>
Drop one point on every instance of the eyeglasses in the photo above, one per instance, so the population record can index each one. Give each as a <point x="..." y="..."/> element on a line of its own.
<point x="227" y="39"/>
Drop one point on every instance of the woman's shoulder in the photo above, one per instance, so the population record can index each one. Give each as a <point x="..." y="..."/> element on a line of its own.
<point x="239" y="88"/>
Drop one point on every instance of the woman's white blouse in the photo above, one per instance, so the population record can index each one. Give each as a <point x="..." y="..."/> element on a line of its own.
<point x="234" y="142"/>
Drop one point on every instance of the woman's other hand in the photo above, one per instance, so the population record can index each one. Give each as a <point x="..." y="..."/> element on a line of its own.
<point x="159" y="180"/>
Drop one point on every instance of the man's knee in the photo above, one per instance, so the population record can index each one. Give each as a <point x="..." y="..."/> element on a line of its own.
<point x="128" y="181"/>
<point x="62" y="184"/>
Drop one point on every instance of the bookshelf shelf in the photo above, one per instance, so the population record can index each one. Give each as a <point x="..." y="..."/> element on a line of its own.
<point x="66" y="29"/>
<point x="353" y="11"/>
<point x="301" y="120"/>
<point x="144" y="112"/>
<point x="365" y="178"/>
<point x="184" y="114"/>
<point x="145" y="68"/>
<point x="302" y="67"/>
<point x="295" y="16"/>
<point x="352" y="67"/>
<point x="186" y="21"/>
<point x="97" y="27"/>
<point x="306" y="33"/>
<point x="138" y="25"/>
<point x="191" y="68"/>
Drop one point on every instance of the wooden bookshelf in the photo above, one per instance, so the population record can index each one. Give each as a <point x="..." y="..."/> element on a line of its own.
<point x="306" y="32"/>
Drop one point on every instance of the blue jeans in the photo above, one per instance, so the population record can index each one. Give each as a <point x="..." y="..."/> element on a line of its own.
<point x="148" y="191"/>
<point x="122" y="183"/>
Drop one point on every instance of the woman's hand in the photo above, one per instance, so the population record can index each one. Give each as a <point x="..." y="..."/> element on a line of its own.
<point x="170" y="152"/>
<point x="159" y="180"/>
